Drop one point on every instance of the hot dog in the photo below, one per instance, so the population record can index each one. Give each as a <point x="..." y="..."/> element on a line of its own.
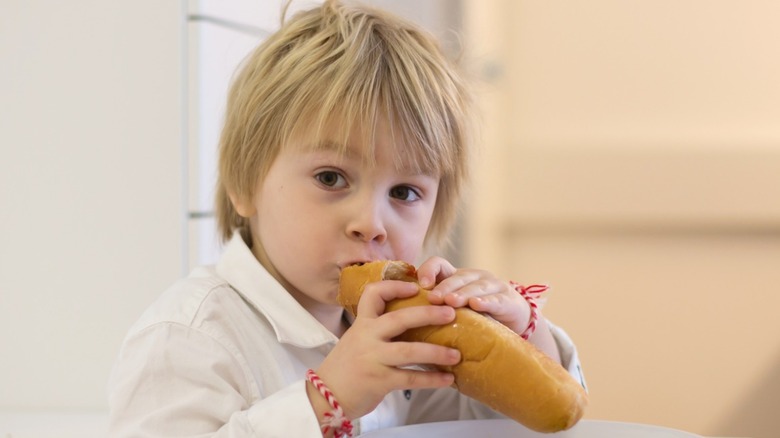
<point x="498" y="367"/>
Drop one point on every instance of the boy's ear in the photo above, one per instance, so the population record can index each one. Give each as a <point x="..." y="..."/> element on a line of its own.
<point x="243" y="205"/>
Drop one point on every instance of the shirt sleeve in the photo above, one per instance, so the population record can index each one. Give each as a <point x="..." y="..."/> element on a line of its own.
<point x="569" y="357"/>
<point x="174" y="380"/>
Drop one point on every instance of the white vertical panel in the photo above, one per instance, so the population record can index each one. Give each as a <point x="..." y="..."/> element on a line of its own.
<point x="219" y="50"/>
<point x="264" y="14"/>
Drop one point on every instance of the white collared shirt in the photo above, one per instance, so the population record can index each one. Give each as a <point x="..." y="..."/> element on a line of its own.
<point x="224" y="352"/>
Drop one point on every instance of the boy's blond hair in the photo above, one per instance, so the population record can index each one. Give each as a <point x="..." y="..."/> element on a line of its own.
<point x="343" y="67"/>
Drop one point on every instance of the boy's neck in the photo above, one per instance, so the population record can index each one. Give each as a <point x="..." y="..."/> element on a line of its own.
<point x="331" y="317"/>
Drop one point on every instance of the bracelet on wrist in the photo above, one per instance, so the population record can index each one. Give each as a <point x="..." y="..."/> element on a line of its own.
<point x="531" y="294"/>
<point x="335" y="420"/>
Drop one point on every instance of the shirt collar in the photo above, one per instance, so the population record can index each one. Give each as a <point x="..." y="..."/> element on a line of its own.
<point x="292" y="323"/>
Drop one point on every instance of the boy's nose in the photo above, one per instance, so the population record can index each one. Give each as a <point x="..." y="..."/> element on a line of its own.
<point x="366" y="224"/>
<point x="378" y="236"/>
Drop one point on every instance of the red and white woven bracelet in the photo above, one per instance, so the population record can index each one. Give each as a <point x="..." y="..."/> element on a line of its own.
<point x="531" y="294"/>
<point x="335" y="419"/>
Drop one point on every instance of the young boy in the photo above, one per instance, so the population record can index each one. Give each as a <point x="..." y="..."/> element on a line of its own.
<point x="346" y="140"/>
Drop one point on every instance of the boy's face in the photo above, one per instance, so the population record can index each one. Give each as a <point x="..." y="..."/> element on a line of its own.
<point x="318" y="211"/>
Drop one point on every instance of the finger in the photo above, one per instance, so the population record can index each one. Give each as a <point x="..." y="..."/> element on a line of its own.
<point x="416" y="379"/>
<point x="496" y="304"/>
<point x="434" y="270"/>
<point x="472" y="290"/>
<point x="457" y="289"/>
<point x="376" y="295"/>
<point x="511" y="310"/>
<point x="394" y="323"/>
<point x="401" y="354"/>
<point x="460" y="279"/>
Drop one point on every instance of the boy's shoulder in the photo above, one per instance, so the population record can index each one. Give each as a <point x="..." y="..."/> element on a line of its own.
<point x="183" y="300"/>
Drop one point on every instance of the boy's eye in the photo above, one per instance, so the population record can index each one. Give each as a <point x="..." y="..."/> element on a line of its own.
<point x="331" y="179"/>
<point x="404" y="193"/>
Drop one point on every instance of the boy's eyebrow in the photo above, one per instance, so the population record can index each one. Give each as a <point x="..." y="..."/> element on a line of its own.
<point x="348" y="151"/>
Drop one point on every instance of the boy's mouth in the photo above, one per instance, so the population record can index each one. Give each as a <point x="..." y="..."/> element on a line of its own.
<point x="353" y="263"/>
<point x="361" y="259"/>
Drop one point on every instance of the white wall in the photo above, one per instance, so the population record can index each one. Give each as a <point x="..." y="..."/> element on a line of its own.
<point x="90" y="189"/>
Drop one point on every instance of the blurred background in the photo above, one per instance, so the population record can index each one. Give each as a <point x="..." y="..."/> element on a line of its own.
<point x="629" y="157"/>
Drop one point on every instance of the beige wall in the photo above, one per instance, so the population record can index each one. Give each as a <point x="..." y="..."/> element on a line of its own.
<point x="632" y="160"/>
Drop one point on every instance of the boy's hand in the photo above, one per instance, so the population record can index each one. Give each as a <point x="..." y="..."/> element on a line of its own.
<point x="477" y="289"/>
<point x="365" y="365"/>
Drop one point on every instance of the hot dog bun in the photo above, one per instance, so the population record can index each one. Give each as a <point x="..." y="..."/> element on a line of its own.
<point x="498" y="367"/>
